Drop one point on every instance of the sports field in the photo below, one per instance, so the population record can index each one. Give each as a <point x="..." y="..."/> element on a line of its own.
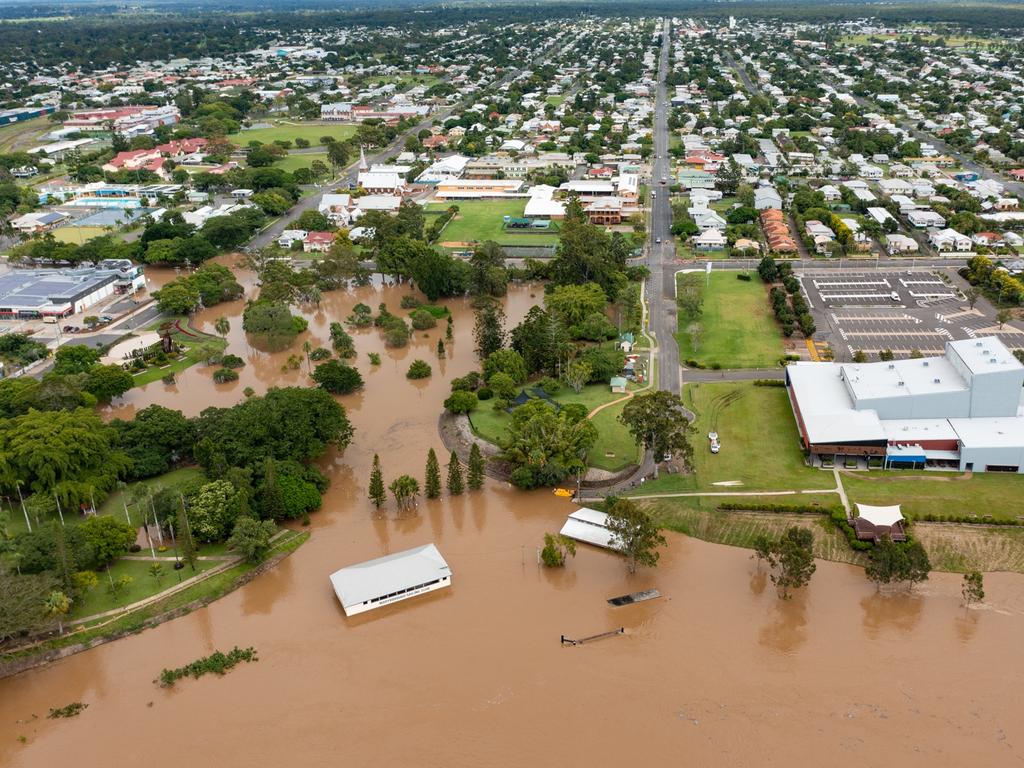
<point x="78" y="235"/>
<point x="737" y="328"/>
<point x="23" y="135"/>
<point x="480" y="220"/>
<point x="283" y="131"/>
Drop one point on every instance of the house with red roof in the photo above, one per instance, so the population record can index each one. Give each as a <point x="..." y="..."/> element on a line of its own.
<point x="317" y="241"/>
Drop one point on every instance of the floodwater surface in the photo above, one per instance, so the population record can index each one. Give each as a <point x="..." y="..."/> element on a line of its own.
<point x="718" y="671"/>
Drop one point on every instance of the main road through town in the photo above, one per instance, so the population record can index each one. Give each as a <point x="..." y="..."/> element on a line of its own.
<point x="661" y="249"/>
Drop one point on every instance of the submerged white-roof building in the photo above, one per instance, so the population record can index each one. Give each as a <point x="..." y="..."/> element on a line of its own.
<point x="962" y="409"/>
<point x="591" y="527"/>
<point x="389" y="579"/>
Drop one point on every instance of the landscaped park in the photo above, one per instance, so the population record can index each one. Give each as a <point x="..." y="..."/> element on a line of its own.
<point x="614" y="450"/>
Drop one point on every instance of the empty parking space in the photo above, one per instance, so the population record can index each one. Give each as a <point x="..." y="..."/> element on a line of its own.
<point x="905" y="313"/>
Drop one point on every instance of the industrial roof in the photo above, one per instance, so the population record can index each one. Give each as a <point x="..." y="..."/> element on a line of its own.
<point x="903" y="378"/>
<point x="826" y="408"/>
<point x="984" y="355"/>
<point x="358" y="583"/>
<point x="903" y="430"/>
<point x="993" y="432"/>
<point x="38" y="289"/>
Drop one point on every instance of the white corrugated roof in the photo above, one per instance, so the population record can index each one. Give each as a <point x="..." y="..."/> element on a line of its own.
<point x="358" y="583"/>
<point x="589" y="526"/>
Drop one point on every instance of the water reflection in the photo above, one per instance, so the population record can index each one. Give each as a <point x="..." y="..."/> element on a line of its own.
<point x="785" y="632"/>
<point x="276" y="583"/>
<point x="967" y="625"/>
<point x="900" y="611"/>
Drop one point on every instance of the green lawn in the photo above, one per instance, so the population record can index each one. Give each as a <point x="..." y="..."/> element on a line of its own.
<point x="615" y="447"/>
<point x="143" y="585"/>
<point x="480" y="220"/>
<point x="555" y="100"/>
<point x="178" y="479"/>
<point x="294" y="161"/>
<point x="283" y="131"/>
<point x="187" y="360"/>
<point x="738" y="327"/>
<point x="922" y="493"/>
<point x="760" y="445"/>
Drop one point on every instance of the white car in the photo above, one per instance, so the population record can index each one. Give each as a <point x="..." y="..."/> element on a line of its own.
<point x="715" y="445"/>
<point x="894" y="296"/>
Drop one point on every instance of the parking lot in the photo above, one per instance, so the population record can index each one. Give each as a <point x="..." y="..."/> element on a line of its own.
<point x="903" y="312"/>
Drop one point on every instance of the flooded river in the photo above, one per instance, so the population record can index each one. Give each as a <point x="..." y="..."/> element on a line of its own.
<point x="717" y="672"/>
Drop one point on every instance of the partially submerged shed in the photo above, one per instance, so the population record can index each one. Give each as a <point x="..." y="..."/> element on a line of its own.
<point x="589" y="526"/>
<point x="389" y="579"/>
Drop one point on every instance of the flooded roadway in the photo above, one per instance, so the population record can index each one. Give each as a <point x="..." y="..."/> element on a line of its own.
<point x="717" y="672"/>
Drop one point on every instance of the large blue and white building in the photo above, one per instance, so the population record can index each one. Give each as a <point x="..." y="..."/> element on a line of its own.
<point x="962" y="410"/>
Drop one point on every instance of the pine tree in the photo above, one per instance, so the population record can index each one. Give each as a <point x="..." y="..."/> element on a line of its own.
<point x="476" y="468"/>
<point x="186" y="543"/>
<point x="273" y="499"/>
<point x="378" y="494"/>
<point x="455" y="484"/>
<point x="440" y="348"/>
<point x="432" y="486"/>
<point x="448" y="334"/>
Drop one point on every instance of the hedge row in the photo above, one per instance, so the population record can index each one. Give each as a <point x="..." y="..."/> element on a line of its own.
<point x="964" y="519"/>
<point x="782" y="509"/>
<point x="769" y="383"/>
<point x="838" y="518"/>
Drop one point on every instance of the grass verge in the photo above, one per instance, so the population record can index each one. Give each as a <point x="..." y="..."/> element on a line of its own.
<point x="737" y="327"/>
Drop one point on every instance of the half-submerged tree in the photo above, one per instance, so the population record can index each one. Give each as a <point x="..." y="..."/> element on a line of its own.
<point x="892" y="562"/>
<point x="556" y="548"/>
<point x="377" y="493"/>
<point x="635" y="534"/>
<point x="475" y="479"/>
<point x="455" y="483"/>
<point x="973" y="587"/>
<point x="432" y="485"/>
<point x="792" y="560"/>
<point x="404" y="488"/>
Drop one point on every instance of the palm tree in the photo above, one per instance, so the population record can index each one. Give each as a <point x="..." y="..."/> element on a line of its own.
<point x="222" y="326"/>
<point x="307" y="347"/>
<point x="56" y="605"/>
<point x="405" y="488"/>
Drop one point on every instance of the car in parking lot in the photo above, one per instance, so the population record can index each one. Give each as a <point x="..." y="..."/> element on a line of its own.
<point x="895" y="296"/>
<point x="106" y="319"/>
<point x="716" y="446"/>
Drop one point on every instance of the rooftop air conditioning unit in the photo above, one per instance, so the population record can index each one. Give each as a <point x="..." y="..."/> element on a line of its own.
<point x="938" y="381"/>
<point x="899" y="383"/>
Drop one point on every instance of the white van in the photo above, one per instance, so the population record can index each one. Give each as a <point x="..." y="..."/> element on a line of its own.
<point x="50" y="319"/>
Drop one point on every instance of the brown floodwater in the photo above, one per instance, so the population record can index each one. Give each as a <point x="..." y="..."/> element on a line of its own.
<point x="716" y="672"/>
